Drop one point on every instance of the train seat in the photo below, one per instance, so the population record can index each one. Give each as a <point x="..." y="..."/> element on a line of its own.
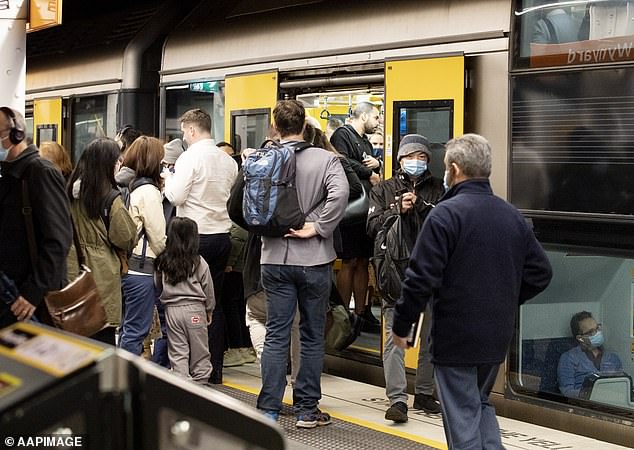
<point x="540" y="358"/>
<point x="609" y="388"/>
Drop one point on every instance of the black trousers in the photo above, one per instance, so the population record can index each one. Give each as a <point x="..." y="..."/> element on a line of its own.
<point x="215" y="249"/>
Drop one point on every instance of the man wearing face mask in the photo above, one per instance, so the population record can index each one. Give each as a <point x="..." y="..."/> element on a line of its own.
<point x="587" y="358"/>
<point x="412" y="192"/>
<point x="51" y="218"/>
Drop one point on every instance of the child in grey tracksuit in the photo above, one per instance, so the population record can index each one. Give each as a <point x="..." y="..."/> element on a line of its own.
<point x="188" y="295"/>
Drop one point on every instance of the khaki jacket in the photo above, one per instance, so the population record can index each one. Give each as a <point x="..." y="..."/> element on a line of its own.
<point x="101" y="258"/>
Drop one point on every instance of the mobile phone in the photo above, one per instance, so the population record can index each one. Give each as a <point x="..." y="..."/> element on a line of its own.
<point x="414" y="333"/>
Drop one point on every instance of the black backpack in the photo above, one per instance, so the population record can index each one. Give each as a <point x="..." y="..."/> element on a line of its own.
<point x="391" y="255"/>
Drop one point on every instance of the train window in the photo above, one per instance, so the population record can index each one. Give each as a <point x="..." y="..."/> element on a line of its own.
<point x="431" y="118"/>
<point x="595" y="294"/>
<point x="205" y="95"/>
<point x="249" y="128"/>
<point x="92" y="118"/>
<point x="564" y="33"/>
<point x="571" y="142"/>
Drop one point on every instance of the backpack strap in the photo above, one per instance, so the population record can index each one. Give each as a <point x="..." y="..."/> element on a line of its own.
<point x="107" y="206"/>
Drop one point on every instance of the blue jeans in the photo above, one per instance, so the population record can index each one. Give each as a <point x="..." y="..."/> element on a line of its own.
<point x="139" y="294"/>
<point x="468" y="416"/>
<point x="159" y="355"/>
<point x="287" y="289"/>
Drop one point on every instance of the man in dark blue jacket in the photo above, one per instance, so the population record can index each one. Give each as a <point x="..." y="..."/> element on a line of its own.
<point x="476" y="260"/>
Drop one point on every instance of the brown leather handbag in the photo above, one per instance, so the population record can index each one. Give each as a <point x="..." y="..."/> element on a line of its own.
<point x="77" y="308"/>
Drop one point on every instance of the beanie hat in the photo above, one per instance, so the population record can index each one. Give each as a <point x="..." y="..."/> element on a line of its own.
<point x="173" y="149"/>
<point x="413" y="143"/>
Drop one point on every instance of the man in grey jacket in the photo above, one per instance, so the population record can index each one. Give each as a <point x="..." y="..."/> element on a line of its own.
<point x="297" y="273"/>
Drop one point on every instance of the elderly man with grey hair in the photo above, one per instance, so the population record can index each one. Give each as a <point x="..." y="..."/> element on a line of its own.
<point x="476" y="260"/>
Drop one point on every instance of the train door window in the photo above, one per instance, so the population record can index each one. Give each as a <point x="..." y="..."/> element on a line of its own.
<point x="432" y="119"/>
<point x="92" y="117"/>
<point x="592" y="366"/>
<point x="249" y="128"/>
<point x="208" y="95"/>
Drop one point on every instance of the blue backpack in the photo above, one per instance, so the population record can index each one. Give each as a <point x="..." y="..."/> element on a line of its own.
<point x="270" y="206"/>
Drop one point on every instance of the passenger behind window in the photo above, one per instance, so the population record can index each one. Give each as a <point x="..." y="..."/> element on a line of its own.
<point x="556" y="27"/>
<point x="587" y="358"/>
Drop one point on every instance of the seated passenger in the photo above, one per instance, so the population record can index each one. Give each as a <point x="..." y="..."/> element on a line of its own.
<point x="587" y="358"/>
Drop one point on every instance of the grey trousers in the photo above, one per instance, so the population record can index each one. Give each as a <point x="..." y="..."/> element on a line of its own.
<point x="394" y="362"/>
<point x="188" y="342"/>
<point x="467" y="415"/>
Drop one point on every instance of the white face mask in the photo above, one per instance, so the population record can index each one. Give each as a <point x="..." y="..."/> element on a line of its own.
<point x="4" y="152"/>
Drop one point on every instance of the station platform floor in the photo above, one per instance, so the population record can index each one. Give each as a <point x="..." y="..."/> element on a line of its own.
<point x="358" y="411"/>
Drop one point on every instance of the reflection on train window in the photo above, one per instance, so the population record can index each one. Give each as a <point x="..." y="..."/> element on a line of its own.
<point x="430" y="118"/>
<point x="208" y="95"/>
<point x="93" y="117"/>
<point x="594" y="366"/>
<point x="249" y="128"/>
<point x="559" y="33"/>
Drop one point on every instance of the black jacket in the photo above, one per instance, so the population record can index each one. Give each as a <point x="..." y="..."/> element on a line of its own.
<point x="348" y="142"/>
<point x="51" y="219"/>
<point x="383" y="202"/>
<point x="478" y="259"/>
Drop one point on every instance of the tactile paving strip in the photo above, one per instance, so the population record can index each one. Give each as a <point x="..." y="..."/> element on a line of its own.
<point x="338" y="435"/>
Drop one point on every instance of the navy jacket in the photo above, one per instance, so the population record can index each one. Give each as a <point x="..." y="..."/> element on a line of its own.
<point x="478" y="260"/>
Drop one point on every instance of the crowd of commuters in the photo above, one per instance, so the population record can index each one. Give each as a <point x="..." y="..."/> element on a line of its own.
<point x="154" y="219"/>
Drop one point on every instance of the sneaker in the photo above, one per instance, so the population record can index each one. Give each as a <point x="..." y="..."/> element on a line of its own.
<point x="273" y="415"/>
<point x="232" y="358"/>
<point x="312" y="420"/>
<point x="397" y="413"/>
<point x="427" y="403"/>
<point x="248" y="355"/>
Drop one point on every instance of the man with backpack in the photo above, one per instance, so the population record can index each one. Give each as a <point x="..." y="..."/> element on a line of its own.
<point x="398" y="207"/>
<point x="297" y="272"/>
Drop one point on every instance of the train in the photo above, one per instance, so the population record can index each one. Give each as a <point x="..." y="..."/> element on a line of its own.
<point x="548" y="83"/>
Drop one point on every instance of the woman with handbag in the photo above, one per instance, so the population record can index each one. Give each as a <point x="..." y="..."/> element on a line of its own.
<point x="101" y="228"/>
<point x="143" y="157"/>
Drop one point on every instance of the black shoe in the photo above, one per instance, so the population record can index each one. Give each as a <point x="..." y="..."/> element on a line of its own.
<point x="397" y="413"/>
<point x="369" y="317"/>
<point x="426" y="403"/>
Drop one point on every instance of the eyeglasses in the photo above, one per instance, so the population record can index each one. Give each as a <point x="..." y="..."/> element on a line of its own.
<point x="592" y="332"/>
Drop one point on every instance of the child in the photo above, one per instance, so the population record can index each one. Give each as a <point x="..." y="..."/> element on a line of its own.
<point x="188" y="296"/>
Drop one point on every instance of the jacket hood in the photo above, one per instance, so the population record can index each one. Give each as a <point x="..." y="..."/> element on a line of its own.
<point x="124" y="176"/>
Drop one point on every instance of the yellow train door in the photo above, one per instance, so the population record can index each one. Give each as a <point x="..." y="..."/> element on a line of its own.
<point x="423" y="96"/>
<point x="249" y="102"/>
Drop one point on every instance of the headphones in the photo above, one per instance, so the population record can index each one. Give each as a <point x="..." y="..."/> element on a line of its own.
<point x="16" y="135"/>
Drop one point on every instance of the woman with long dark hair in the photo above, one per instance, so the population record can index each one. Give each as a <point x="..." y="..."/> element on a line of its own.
<point x="103" y="228"/>
<point x="188" y="295"/>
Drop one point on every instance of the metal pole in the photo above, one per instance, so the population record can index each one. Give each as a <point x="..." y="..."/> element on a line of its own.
<point x="13" y="16"/>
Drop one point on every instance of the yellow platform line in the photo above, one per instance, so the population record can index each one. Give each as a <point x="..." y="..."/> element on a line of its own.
<point x="354" y="420"/>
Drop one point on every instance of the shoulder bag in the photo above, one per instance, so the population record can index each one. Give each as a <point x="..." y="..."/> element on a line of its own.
<point x="357" y="210"/>
<point x="77" y="308"/>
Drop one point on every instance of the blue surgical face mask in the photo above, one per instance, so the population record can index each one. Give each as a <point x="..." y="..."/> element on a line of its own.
<point x="444" y="180"/>
<point x="597" y="339"/>
<point x="3" y="154"/>
<point x="414" y="167"/>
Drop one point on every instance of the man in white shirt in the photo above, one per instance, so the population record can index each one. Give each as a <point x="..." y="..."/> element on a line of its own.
<point x="199" y="188"/>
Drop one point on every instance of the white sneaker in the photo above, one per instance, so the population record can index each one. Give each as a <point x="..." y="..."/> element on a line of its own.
<point x="248" y="355"/>
<point x="232" y="358"/>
